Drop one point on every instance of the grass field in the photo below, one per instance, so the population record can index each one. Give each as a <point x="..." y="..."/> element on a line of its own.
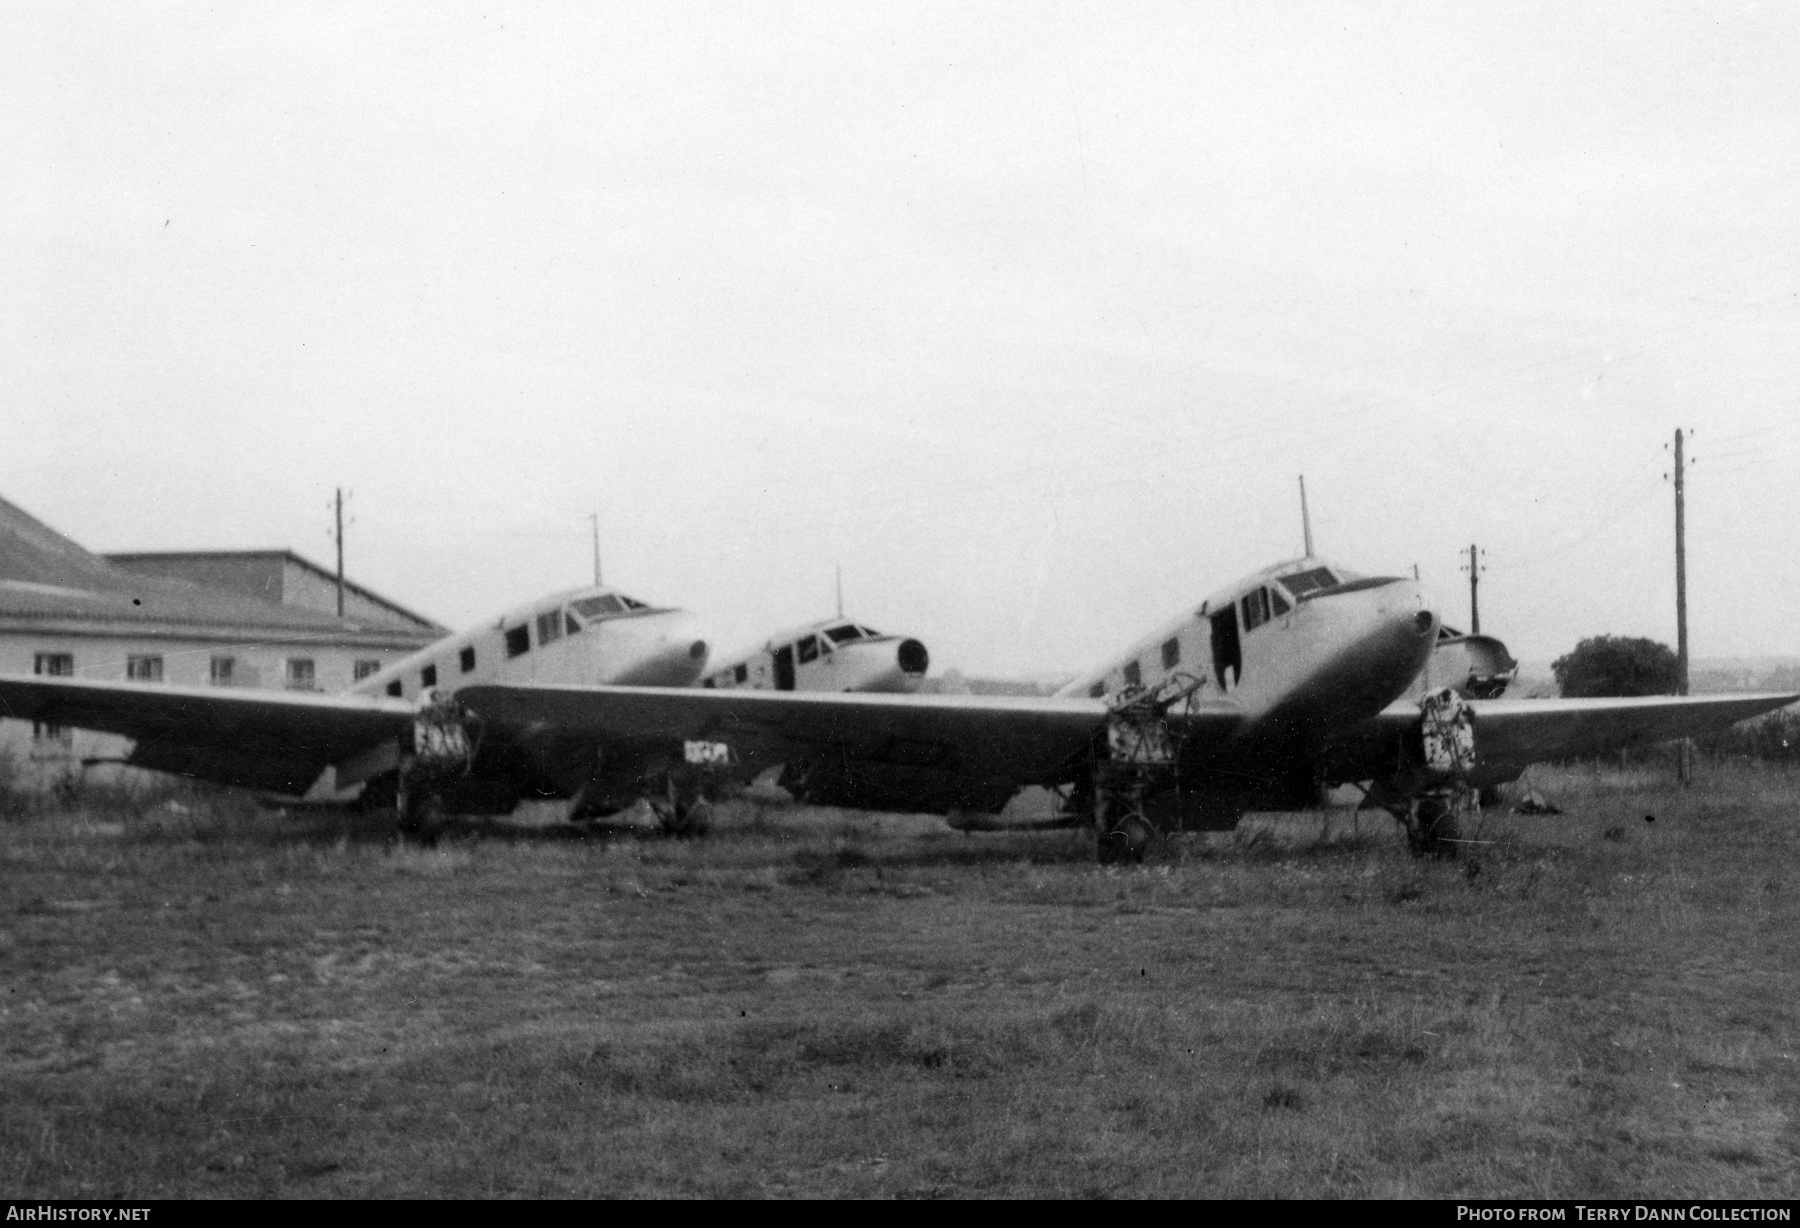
<point x="205" y="1000"/>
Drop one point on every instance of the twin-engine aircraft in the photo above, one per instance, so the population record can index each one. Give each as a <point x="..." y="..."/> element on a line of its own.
<point x="1293" y="679"/>
<point x="835" y="654"/>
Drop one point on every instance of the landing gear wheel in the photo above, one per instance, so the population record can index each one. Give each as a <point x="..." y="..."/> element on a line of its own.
<point x="1432" y="830"/>
<point x="691" y="821"/>
<point x="1128" y="841"/>
<point x="422" y="818"/>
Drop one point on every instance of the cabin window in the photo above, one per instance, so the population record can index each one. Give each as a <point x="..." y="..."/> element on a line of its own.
<point x="428" y="676"/>
<point x="844" y="633"/>
<point x="1171" y="653"/>
<point x="394" y="688"/>
<point x="518" y="641"/>
<point x="1256" y="609"/>
<point x="144" y="669"/>
<point x="632" y="604"/>
<point x="1097" y="690"/>
<point x="1281" y="605"/>
<point x="1304" y="582"/>
<point x="740" y="671"/>
<point x="710" y="685"/>
<point x="362" y="669"/>
<point x="570" y="624"/>
<point x="1134" y="674"/>
<point x="809" y="649"/>
<point x="549" y="627"/>
<point x="466" y="658"/>
<point x="599" y="607"/>
<point x="54" y="664"/>
<point x="220" y="671"/>
<point x="300" y="675"/>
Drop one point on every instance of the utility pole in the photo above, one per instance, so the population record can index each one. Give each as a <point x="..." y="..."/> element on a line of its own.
<point x="1473" y="567"/>
<point x="1305" y="517"/>
<point x="1685" y="762"/>
<point x="340" y="550"/>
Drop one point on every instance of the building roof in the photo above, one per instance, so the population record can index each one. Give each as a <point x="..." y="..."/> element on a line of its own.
<point x="258" y="573"/>
<point x="49" y="581"/>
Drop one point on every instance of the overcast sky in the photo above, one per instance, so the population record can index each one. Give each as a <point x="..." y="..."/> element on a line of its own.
<point x="1028" y="317"/>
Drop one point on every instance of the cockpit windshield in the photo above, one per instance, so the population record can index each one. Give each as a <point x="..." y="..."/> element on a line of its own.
<point x="1303" y="582"/>
<point x="845" y="633"/>
<point x="604" y="604"/>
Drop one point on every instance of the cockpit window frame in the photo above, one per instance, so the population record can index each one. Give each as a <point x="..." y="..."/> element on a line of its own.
<point x="600" y="605"/>
<point x="1300" y="583"/>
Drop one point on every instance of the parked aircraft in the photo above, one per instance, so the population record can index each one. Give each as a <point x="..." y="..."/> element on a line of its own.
<point x="1290" y="679"/>
<point x="835" y="654"/>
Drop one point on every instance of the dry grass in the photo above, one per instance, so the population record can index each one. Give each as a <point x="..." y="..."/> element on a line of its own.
<point x="217" y="1001"/>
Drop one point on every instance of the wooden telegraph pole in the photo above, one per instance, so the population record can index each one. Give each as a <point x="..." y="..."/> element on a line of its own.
<point x="1473" y="567"/>
<point x="1685" y="758"/>
<point x="340" y="551"/>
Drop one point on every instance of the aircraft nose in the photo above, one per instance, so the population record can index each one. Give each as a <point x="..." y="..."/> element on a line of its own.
<point x="675" y="655"/>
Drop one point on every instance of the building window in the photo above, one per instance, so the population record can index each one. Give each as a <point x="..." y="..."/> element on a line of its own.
<point x="1134" y="675"/>
<point x="549" y="627"/>
<point x="221" y="671"/>
<point x="48" y="735"/>
<point x="300" y="675"/>
<point x="428" y="676"/>
<point x="144" y="669"/>
<point x="518" y="641"/>
<point x="394" y="688"/>
<point x="467" y="658"/>
<point x="54" y="664"/>
<point x="1171" y="653"/>
<point x="362" y="669"/>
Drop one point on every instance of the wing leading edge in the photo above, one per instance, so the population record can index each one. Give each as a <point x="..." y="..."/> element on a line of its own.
<point x="274" y="740"/>
<point x="1511" y="734"/>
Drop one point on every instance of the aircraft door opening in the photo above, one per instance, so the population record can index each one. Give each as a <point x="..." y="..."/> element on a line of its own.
<point x="1227" y="654"/>
<point x="784" y="668"/>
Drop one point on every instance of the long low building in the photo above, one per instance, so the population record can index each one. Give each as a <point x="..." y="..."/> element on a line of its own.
<point x="214" y="618"/>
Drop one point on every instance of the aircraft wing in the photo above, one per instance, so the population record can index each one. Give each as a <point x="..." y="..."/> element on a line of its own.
<point x="1513" y="733"/>
<point x="274" y="740"/>
<point x="919" y="753"/>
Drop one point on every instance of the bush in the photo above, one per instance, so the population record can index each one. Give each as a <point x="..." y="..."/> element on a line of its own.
<point x="1608" y="665"/>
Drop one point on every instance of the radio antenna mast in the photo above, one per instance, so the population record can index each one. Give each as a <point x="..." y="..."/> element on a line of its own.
<point x="1305" y="517"/>
<point x="840" y="590"/>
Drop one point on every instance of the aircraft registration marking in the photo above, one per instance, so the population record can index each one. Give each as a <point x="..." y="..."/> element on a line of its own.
<point x="706" y="752"/>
